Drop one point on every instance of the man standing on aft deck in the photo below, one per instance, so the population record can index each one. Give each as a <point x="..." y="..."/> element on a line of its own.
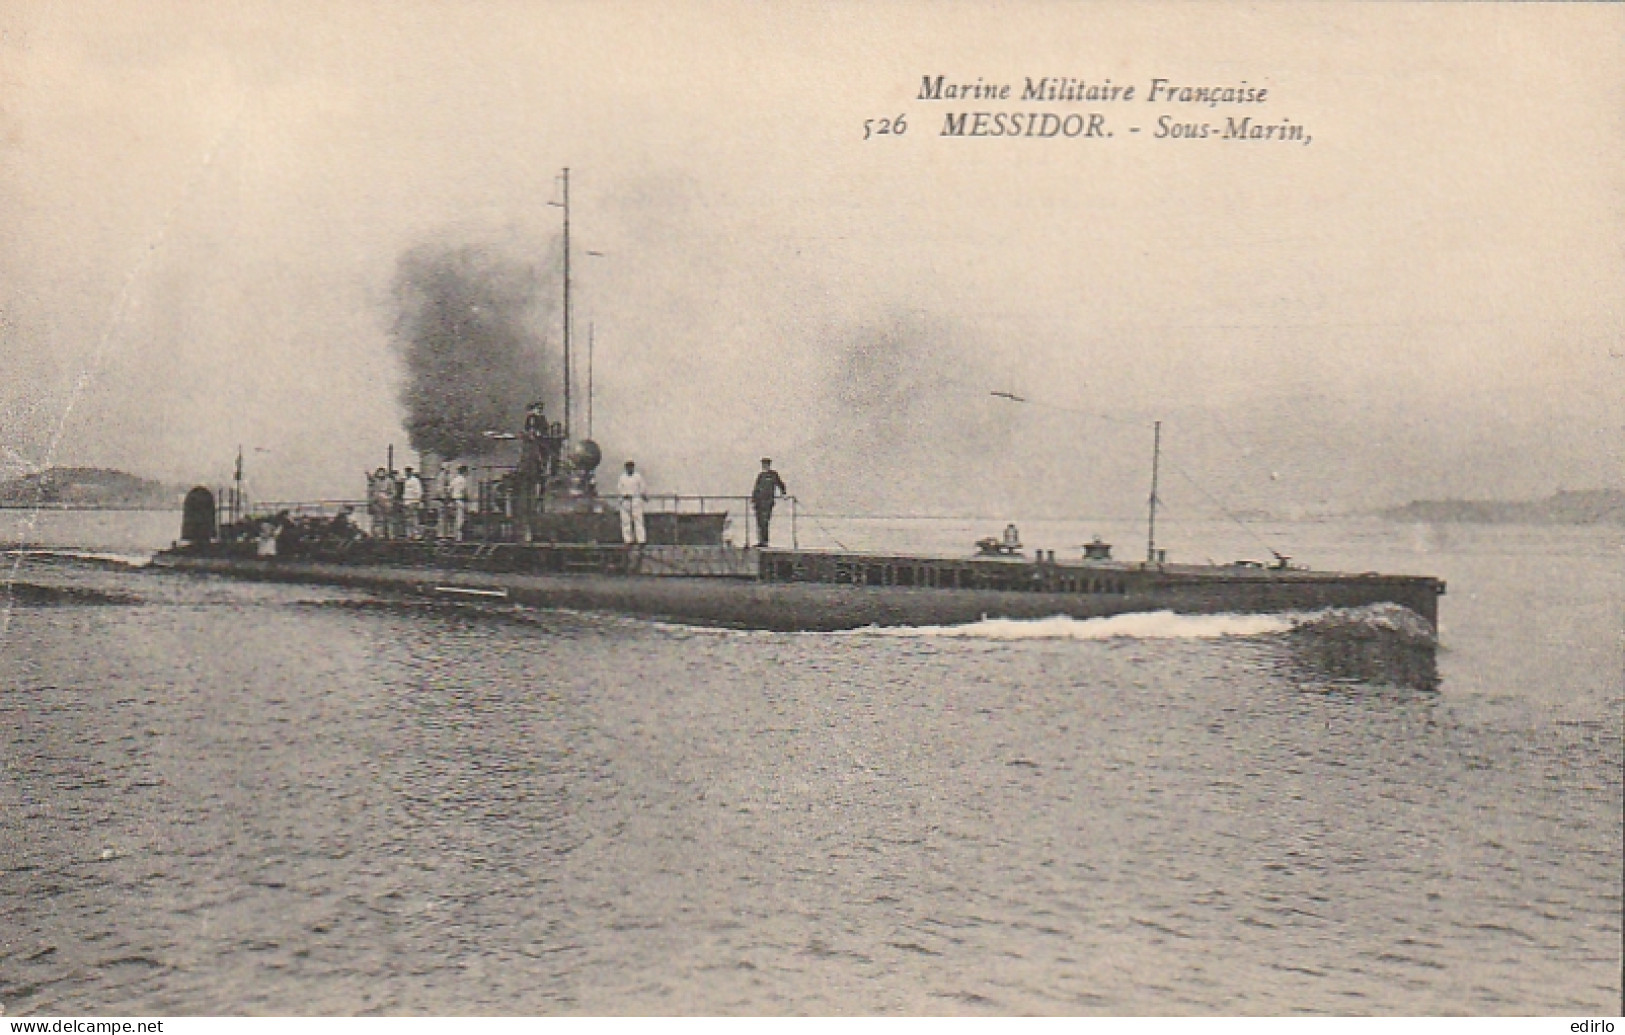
<point x="769" y="486"/>
<point x="633" y="493"/>
<point x="412" y="501"/>
<point x="459" y="501"/>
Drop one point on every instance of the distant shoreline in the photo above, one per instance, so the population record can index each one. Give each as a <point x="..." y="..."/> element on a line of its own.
<point x="88" y="488"/>
<point x="1573" y="507"/>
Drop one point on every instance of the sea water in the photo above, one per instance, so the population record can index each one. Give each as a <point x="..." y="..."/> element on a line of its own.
<point x="224" y="797"/>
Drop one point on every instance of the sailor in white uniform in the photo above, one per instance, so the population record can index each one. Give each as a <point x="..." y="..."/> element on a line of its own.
<point x="412" y="499"/>
<point x="633" y="493"/>
<point x="459" y="501"/>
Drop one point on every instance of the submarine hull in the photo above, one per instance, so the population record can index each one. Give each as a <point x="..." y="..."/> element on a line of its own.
<point x="759" y="589"/>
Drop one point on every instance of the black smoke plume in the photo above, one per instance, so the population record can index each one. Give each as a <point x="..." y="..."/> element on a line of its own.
<point x="469" y="328"/>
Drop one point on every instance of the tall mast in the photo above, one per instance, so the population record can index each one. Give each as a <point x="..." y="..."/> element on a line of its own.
<point x="567" y="304"/>
<point x="1151" y="523"/>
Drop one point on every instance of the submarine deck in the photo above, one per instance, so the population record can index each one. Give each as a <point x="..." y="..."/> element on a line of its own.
<point x="794" y="590"/>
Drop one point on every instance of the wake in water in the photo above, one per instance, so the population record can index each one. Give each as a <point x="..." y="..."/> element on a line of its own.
<point x="1357" y="622"/>
<point x="1377" y="645"/>
<point x="1394" y="621"/>
<point x="31" y="594"/>
<point x="16" y="591"/>
<point x="68" y="553"/>
<point x="1150" y="625"/>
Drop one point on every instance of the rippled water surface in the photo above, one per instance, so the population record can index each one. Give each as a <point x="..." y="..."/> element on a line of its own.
<point x="233" y="798"/>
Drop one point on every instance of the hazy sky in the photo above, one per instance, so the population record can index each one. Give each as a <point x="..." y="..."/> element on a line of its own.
<point x="205" y="205"/>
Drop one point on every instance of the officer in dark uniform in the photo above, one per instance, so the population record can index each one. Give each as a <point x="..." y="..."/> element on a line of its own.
<point x="535" y="425"/>
<point x="532" y="472"/>
<point x="769" y="486"/>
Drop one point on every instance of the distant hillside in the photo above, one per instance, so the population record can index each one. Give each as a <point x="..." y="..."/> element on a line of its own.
<point x="91" y="488"/>
<point x="1581" y="507"/>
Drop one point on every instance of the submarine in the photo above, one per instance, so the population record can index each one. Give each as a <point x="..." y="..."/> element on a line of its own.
<point x="525" y="523"/>
<point x="563" y="549"/>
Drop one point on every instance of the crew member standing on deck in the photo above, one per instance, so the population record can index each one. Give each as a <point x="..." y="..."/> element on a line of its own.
<point x="397" y="506"/>
<point x="378" y="503"/>
<point x="532" y="472"/>
<point x="459" y="501"/>
<point x="445" y="514"/>
<point x="769" y="487"/>
<point x="633" y="493"/>
<point x="412" y="498"/>
<point x="535" y="425"/>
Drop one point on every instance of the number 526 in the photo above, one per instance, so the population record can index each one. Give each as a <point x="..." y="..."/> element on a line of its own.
<point x="884" y="127"/>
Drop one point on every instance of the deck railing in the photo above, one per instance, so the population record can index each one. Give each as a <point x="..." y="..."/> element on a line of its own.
<point x="394" y="524"/>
